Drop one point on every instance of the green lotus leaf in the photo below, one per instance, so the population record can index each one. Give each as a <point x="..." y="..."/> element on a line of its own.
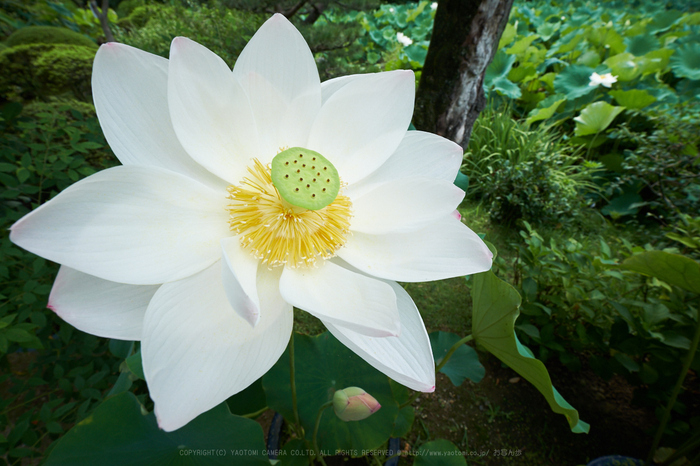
<point x="686" y="61"/>
<point x="439" y="452"/>
<point x="574" y="81"/>
<point x="416" y="53"/>
<point x="691" y="20"/>
<point x="507" y="88"/>
<point x="664" y="20"/>
<point x="508" y="35"/>
<point x="547" y="30"/>
<point x="324" y="365"/>
<point x="633" y="99"/>
<point x="673" y="269"/>
<point x="595" y="118"/>
<point x="117" y="433"/>
<point x="627" y="203"/>
<point x="464" y="363"/>
<point x="495" y="310"/>
<point x="566" y="43"/>
<point x="623" y="66"/>
<point x="654" y="61"/>
<point x="606" y="38"/>
<point x="546" y="109"/>
<point x="589" y="58"/>
<point x="499" y="67"/>
<point x="521" y="45"/>
<point x="641" y="44"/>
<point x="522" y="73"/>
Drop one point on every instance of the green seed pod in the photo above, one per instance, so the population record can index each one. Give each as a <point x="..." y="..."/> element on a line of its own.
<point x="305" y="178"/>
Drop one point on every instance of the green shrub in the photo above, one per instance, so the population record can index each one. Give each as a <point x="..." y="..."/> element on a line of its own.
<point x="44" y="147"/>
<point x="581" y="308"/>
<point x="41" y="70"/>
<point x="225" y="32"/>
<point x="126" y="7"/>
<point x="48" y="35"/>
<point x="521" y="173"/>
<point x="662" y="168"/>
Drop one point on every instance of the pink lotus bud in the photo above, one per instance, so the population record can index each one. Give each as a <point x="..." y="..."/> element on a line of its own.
<point x="354" y="404"/>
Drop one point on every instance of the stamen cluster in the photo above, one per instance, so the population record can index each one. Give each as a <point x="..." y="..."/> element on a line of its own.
<point x="279" y="233"/>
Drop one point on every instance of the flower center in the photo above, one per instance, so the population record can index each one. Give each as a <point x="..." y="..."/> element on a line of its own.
<point x="290" y="213"/>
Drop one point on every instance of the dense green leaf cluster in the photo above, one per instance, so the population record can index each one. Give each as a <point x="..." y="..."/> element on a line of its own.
<point x="524" y="173"/>
<point x="44" y="147"/>
<point x="579" y="306"/>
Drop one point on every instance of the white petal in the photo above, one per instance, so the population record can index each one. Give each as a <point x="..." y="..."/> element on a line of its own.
<point x="210" y="112"/>
<point x="130" y="90"/>
<point x="239" y="272"/>
<point x="362" y="123"/>
<point x="407" y="358"/>
<point x="99" y="307"/>
<point x="339" y="296"/>
<point x="445" y="249"/>
<point x="330" y="87"/>
<point x="404" y="204"/>
<point x="129" y="224"/>
<point x="278" y="72"/>
<point x="197" y="351"/>
<point x="419" y="154"/>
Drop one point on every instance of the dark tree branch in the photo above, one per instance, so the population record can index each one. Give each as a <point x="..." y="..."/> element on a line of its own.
<point x="102" y="16"/>
<point x="292" y="11"/>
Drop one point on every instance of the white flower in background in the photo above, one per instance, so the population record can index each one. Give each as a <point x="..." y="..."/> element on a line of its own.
<point x="392" y="10"/>
<point x="433" y="6"/>
<point x="200" y="243"/>
<point x="403" y="39"/>
<point x="606" y="80"/>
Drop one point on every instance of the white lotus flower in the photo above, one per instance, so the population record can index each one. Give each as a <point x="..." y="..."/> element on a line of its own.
<point x="606" y="80"/>
<point x="189" y="247"/>
<point x="403" y="39"/>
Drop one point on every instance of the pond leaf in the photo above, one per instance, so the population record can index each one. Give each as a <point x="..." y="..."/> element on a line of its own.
<point x="673" y="269"/>
<point x="547" y="30"/>
<point x="595" y="118"/>
<point x="522" y="45"/>
<point x="623" y="66"/>
<point x="654" y="61"/>
<point x="546" y="109"/>
<point x="439" y="452"/>
<point x="135" y="365"/>
<point x="508" y="35"/>
<point x="250" y="400"/>
<point x="117" y="433"/>
<point x="499" y="67"/>
<point x="633" y="99"/>
<point x="324" y="365"/>
<point x="686" y="61"/>
<point x="574" y="81"/>
<point x="463" y="364"/>
<point x="496" y="75"/>
<point x="641" y="44"/>
<point x="495" y="309"/>
<point x="627" y="203"/>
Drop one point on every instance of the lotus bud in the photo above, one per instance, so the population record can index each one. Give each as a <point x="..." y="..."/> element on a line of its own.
<point x="354" y="404"/>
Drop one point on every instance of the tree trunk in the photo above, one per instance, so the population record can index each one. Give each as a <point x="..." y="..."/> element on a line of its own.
<point x="465" y="39"/>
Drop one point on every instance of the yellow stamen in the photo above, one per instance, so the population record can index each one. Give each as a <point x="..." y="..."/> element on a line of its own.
<point x="279" y="233"/>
